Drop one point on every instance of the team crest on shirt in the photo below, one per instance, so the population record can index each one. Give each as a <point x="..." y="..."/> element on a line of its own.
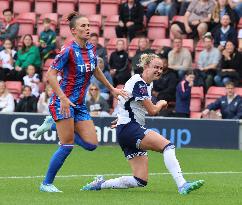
<point x="77" y="53"/>
<point x="143" y="89"/>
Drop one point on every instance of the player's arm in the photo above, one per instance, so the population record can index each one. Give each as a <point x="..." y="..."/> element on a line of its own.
<point x="101" y="77"/>
<point x="154" y="109"/>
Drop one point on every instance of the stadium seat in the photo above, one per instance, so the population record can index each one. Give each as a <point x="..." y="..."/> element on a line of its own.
<point x="14" y="87"/>
<point x="52" y="16"/>
<point x="196" y="115"/>
<point x="22" y="6"/>
<point x="197" y="92"/>
<point x="101" y="41"/>
<point x="109" y="26"/>
<point x="158" y="43"/>
<point x="133" y="46"/>
<point x="4" y="4"/>
<point x="109" y="7"/>
<point x="157" y="27"/>
<point x="111" y="45"/>
<point x="95" y="23"/>
<point x="64" y="28"/>
<point x="65" y="6"/>
<point x="195" y="104"/>
<point x="44" y="5"/>
<point x="189" y="44"/>
<point x="87" y="7"/>
<point x="214" y="93"/>
<point x="26" y="22"/>
<point x="47" y="64"/>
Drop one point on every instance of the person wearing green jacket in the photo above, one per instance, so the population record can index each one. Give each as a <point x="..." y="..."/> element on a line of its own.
<point x="28" y="55"/>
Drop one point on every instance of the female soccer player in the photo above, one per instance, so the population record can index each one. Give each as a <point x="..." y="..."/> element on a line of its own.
<point x="78" y="62"/>
<point x="135" y="139"/>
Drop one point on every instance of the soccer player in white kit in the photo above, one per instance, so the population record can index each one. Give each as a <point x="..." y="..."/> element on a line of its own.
<point x="135" y="139"/>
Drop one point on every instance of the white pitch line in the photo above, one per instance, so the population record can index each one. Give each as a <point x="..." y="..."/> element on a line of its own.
<point x="93" y="175"/>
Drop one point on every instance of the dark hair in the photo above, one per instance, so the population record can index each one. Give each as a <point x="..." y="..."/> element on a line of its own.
<point x="46" y="20"/>
<point x="7" y="39"/>
<point x="7" y="10"/>
<point x="27" y="86"/>
<point x="24" y="48"/>
<point x="94" y="34"/>
<point x="229" y="83"/>
<point x="189" y="72"/>
<point x="72" y="17"/>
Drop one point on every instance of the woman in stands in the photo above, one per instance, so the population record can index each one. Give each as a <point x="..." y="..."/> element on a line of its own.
<point x="135" y="139"/>
<point x="6" y="99"/>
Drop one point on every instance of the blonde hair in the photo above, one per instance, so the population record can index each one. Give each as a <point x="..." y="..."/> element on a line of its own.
<point x="146" y="58"/>
<point x="95" y="98"/>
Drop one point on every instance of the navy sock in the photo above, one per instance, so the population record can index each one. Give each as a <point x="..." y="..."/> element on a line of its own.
<point x="87" y="146"/>
<point x="56" y="162"/>
<point x="53" y="127"/>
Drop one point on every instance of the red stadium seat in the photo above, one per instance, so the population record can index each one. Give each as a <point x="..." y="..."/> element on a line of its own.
<point x="109" y="27"/>
<point x="26" y="22"/>
<point x="158" y="43"/>
<point x="189" y="44"/>
<point x="197" y="92"/>
<point x="65" y="6"/>
<point x="64" y="29"/>
<point x="238" y="91"/>
<point x="4" y="4"/>
<point x="196" y="115"/>
<point x="101" y="41"/>
<point x="44" y="5"/>
<point x="111" y="45"/>
<point x="14" y="87"/>
<point x="213" y="94"/>
<point x="133" y="46"/>
<point x="87" y="7"/>
<point x="109" y="7"/>
<point x="195" y="105"/>
<point x="52" y="16"/>
<point x="157" y="27"/>
<point x="95" y="23"/>
<point x="22" y="6"/>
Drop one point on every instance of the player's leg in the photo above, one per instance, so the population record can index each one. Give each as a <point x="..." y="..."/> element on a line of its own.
<point x="139" y="167"/>
<point x="66" y="137"/>
<point x="156" y="142"/>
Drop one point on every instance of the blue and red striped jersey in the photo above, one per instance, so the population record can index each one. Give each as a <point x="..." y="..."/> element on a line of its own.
<point x="76" y="65"/>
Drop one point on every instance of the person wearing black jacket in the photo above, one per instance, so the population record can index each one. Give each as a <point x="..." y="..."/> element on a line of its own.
<point x="28" y="103"/>
<point x="119" y="64"/>
<point x="165" y="87"/>
<point x="131" y="16"/>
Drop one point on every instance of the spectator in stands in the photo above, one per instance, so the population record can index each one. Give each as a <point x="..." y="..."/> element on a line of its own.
<point x="28" y="55"/>
<point x="166" y="8"/>
<point x="224" y="33"/>
<point x="119" y="64"/>
<point x="231" y="66"/>
<point x="131" y="16"/>
<point x="183" y="95"/>
<point x="44" y="99"/>
<point x="179" y="58"/>
<point x="163" y="51"/>
<point x="104" y="92"/>
<point x="47" y="41"/>
<point x="183" y="6"/>
<point x="9" y="27"/>
<point x="6" y="99"/>
<point x="197" y="19"/>
<point x="101" y="51"/>
<point x="240" y="40"/>
<point x="150" y="6"/>
<point x="222" y="7"/>
<point x="237" y="6"/>
<point x="165" y="87"/>
<point x="32" y="80"/>
<point x="144" y="47"/>
<point x="208" y="61"/>
<point x="7" y="59"/>
<point x="230" y="105"/>
<point x="28" y="102"/>
<point x="96" y="105"/>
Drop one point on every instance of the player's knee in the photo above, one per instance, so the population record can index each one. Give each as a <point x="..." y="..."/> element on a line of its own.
<point x="168" y="146"/>
<point x="141" y="182"/>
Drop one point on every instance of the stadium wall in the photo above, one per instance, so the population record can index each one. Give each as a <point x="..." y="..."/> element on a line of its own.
<point x="201" y="133"/>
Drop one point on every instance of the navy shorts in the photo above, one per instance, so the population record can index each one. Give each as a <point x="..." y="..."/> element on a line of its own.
<point x="78" y="113"/>
<point x="129" y="138"/>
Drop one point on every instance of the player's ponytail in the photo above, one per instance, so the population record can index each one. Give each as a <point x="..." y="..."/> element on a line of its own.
<point x="146" y="58"/>
<point x="72" y="17"/>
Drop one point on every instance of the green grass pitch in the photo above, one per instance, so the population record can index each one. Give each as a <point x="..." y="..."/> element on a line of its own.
<point x="23" y="160"/>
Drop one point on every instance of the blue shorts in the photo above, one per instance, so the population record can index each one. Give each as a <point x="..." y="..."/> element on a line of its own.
<point x="78" y="113"/>
<point x="129" y="137"/>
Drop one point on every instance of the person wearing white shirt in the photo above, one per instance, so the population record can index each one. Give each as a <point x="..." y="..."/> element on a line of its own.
<point x="6" y="99"/>
<point x="32" y="80"/>
<point x="44" y="99"/>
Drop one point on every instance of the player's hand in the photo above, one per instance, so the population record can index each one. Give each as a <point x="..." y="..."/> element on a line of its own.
<point x="114" y="124"/>
<point x="205" y="112"/>
<point x="65" y="104"/>
<point x="163" y="104"/>
<point x="116" y="92"/>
